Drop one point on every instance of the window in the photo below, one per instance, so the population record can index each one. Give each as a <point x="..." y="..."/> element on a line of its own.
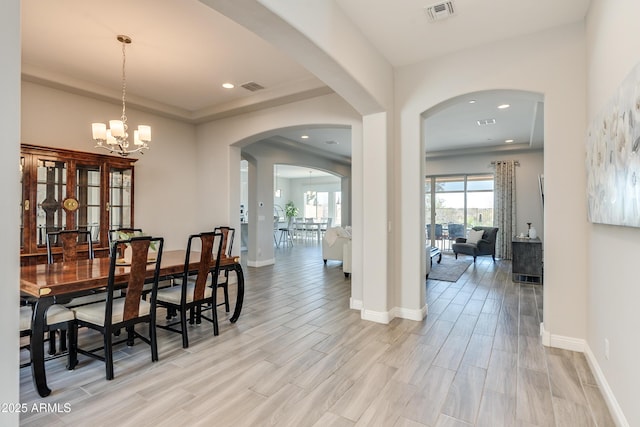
<point x="316" y="204"/>
<point x="455" y="204"/>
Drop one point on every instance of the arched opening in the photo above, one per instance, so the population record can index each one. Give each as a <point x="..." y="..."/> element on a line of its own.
<point x="280" y="166"/>
<point x="463" y="137"/>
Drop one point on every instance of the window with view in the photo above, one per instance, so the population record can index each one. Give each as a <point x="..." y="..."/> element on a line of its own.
<point x="455" y="204"/>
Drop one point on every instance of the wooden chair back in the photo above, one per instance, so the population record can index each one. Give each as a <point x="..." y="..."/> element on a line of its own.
<point x="137" y="277"/>
<point x="71" y="242"/>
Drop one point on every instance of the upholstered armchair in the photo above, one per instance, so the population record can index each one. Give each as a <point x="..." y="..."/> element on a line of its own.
<point x="336" y="245"/>
<point x="485" y="244"/>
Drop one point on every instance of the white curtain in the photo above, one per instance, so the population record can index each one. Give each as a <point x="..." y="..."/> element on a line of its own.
<point x="505" y="206"/>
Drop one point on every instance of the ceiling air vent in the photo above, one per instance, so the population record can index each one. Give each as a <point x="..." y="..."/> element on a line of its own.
<point x="252" y="86"/>
<point x="440" y="11"/>
<point x="485" y="122"/>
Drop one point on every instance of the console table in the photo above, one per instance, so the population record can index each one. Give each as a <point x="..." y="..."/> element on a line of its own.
<point x="527" y="260"/>
<point x="432" y="252"/>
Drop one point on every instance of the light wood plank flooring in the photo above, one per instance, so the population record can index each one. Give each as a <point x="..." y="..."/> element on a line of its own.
<point x="298" y="356"/>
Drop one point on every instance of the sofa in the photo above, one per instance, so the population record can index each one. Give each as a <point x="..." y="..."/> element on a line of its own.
<point x="484" y="245"/>
<point x="336" y="246"/>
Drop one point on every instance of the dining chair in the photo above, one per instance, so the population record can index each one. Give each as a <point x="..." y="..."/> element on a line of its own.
<point x="58" y="318"/>
<point x="72" y="243"/>
<point x="115" y="233"/>
<point x="455" y="231"/>
<point x="276" y="226"/>
<point x="326" y="224"/>
<point x="192" y="295"/>
<point x="286" y="233"/>
<point x="228" y="234"/>
<point x="125" y="313"/>
<point x="438" y="233"/>
<point x="310" y="227"/>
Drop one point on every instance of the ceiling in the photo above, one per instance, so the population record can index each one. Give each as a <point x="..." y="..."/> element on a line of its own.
<point x="183" y="51"/>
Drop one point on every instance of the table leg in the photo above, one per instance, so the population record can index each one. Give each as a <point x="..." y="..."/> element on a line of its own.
<point x="38" y="323"/>
<point x="240" y="296"/>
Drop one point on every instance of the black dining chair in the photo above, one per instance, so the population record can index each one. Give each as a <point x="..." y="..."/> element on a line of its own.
<point x="59" y="318"/>
<point x="122" y="233"/>
<point x="124" y="313"/>
<point x="194" y="295"/>
<point x="228" y="235"/>
<point x="72" y="244"/>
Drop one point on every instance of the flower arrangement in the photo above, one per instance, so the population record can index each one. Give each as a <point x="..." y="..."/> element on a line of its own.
<point x="290" y="209"/>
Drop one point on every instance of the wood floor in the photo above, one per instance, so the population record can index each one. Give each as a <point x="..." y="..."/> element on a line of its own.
<point x="298" y="356"/>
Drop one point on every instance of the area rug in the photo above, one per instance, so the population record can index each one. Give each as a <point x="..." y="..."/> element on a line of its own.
<point x="449" y="269"/>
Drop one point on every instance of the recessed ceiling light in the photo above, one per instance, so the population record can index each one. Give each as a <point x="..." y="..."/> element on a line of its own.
<point x="473" y="101"/>
<point x="508" y="141"/>
<point x="305" y="137"/>
<point x="503" y="106"/>
<point x="228" y="85"/>
<point x="331" y="142"/>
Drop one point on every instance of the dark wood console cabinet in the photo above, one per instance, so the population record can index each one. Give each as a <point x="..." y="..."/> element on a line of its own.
<point x="527" y="260"/>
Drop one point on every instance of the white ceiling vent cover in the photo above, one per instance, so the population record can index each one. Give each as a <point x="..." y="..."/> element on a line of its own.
<point x="440" y="11"/>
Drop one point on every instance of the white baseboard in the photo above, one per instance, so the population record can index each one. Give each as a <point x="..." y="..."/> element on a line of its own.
<point x="607" y="393"/>
<point x="386" y="317"/>
<point x="261" y="263"/>
<point x="559" y="341"/>
<point x="377" y="316"/>
<point x="580" y="345"/>
<point x="411" y="314"/>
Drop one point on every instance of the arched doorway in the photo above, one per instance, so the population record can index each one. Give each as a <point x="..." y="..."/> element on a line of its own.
<point x="462" y="138"/>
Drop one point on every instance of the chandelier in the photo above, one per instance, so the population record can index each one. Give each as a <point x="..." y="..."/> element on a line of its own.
<point x="116" y="138"/>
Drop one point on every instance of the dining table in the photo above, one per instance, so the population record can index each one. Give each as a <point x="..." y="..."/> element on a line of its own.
<point x="58" y="283"/>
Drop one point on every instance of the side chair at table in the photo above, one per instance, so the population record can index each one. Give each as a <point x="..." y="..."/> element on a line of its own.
<point x="73" y="244"/>
<point x="114" y="234"/>
<point x="58" y="318"/>
<point x="193" y="295"/>
<point x="228" y="234"/>
<point x="124" y="313"/>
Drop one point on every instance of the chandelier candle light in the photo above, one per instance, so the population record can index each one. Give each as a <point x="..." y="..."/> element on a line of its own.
<point x="116" y="138"/>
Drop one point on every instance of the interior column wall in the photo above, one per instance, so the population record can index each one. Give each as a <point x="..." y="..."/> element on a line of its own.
<point x="551" y="63"/>
<point x="9" y="209"/>
<point x="375" y="225"/>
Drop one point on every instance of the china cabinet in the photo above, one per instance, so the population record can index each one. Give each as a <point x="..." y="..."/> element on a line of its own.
<point x="65" y="189"/>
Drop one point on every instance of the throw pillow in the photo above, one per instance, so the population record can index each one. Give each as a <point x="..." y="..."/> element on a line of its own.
<point x="474" y="236"/>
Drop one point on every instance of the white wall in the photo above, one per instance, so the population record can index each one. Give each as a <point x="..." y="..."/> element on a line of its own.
<point x="165" y="179"/>
<point x="551" y="63"/>
<point x="220" y="142"/>
<point x="9" y="210"/>
<point x="613" y="49"/>
<point x="528" y="203"/>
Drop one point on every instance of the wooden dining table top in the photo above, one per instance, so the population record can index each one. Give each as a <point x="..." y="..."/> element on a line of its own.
<point x="62" y="278"/>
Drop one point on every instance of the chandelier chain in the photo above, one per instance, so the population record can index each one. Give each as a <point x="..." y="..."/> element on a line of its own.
<point x="124" y="85"/>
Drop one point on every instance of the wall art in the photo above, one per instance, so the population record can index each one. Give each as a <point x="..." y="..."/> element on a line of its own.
<point x="613" y="158"/>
